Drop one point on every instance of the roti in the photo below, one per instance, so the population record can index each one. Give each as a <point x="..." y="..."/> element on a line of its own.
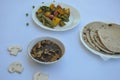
<point x="110" y="37"/>
<point x="93" y="28"/>
<point x="87" y="39"/>
<point x="102" y="37"/>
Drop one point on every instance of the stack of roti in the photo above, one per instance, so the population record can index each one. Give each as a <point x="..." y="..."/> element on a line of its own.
<point x="102" y="37"/>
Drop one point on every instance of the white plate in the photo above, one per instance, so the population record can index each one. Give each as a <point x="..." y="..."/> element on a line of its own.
<point x="102" y="55"/>
<point x="74" y="18"/>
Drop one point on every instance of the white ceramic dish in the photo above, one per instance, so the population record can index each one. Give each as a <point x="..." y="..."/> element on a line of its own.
<point x="102" y="55"/>
<point x="33" y="42"/>
<point x="74" y="18"/>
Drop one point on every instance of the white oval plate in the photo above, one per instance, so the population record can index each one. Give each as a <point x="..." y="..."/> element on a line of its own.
<point x="74" y="18"/>
<point x="102" y="55"/>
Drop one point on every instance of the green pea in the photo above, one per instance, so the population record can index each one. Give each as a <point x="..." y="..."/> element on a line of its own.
<point x="27" y="24"/>
<point x="33" y="7"/>
<point x="27" y="14"/>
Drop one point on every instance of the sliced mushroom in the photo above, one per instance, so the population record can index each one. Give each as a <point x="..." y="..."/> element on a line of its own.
<point x="14" y="50"/>
<point x="15" y="67"/>
<point x="40" y="76"/>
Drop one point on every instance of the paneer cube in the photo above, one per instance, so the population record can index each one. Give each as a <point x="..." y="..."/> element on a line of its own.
<point x="56" y="21"/>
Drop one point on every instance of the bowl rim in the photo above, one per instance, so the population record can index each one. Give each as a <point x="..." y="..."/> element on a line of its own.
<point x="36" y="40"/>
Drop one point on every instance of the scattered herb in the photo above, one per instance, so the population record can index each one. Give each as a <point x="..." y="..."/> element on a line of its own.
<point x="27" y="14"/>
<point x="27" y="24"/>
<point x="33" y="7"/>
<point x="53" y="0"/>
<point x="42" y="2"/>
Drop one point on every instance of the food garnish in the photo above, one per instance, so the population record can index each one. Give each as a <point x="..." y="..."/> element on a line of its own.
<point x="27" y="24"/>
<point x="27" y="14"/>
<point x="33" y="7"/>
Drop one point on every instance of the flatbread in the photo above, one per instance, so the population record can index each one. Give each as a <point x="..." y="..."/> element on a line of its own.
<point x="110" y="37"/>
<point x="102" y="48"/>
<point x="97" y="39"/>
<point x="94" y="27"/>
<point x="102" y="37"/>
<point x="91" y="29"/>
<point x="87" y="39"/>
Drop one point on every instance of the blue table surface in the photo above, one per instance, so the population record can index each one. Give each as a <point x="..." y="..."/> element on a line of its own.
<point x="78" y="63"/>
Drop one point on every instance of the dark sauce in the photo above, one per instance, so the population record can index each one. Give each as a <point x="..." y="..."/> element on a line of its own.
<point x="46" y="51"/>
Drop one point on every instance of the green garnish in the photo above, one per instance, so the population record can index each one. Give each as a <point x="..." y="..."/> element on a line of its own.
<point x="33" y="7"/>
<point x="27" y="14"/>
<point x="27" y="24"/>
<point x="42" y="2"/>
<point x="53" y="0"/>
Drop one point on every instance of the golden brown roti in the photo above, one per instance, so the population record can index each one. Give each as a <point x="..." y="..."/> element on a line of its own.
<point x="110" y="37"/>
<point x="87" y="39"/>
<point x="94" y="27"/>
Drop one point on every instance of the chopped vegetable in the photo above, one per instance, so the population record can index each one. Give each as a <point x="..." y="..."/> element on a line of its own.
<point x="60" y="10"/>
<point x="52" y="6"/>
<point x="67" y="11"/>
<point x="61" y="23"/>
<point x="39" y="11"/>
<point x="56" y="20"/>
<point x="51" y="24"/>
<point x="47" y="13"/>
<point x="53" y="15"/>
